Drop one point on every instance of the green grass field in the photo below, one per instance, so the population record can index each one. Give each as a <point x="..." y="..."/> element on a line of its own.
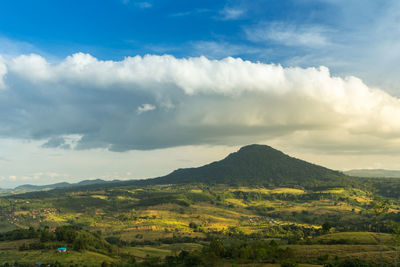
<point x="163" y="221"/>
<point x="51" y="256"/>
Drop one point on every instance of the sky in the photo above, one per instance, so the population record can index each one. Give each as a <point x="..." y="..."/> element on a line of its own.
<point x="124" y="89"/>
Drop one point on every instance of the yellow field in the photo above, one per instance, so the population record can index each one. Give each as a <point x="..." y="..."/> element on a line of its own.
<point x="282" y="190"/>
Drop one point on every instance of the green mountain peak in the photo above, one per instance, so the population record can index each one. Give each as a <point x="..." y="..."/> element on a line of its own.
<point x="255" y="165"/>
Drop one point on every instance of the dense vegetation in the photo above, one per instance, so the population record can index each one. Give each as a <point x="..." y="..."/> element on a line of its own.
<point x="256" y="206"/>
<point x="127" y="223"/>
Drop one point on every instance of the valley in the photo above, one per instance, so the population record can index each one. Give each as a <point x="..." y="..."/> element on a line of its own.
<point x="179" y="223"/>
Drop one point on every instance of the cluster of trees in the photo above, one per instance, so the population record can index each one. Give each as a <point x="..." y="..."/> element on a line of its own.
<point x="350" y="263"/>
<point x="260" y="251"/>
<point x="115" y="240"/>
<point x="19" y="234"/>
<point x="77" y="238"/>
<point x="217" y="251"/>
<point x="386" y="187"/>
<point x="258" y="196"/>
<point x="74" y="236"/>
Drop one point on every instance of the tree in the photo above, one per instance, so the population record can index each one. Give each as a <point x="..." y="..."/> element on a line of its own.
<point x="193" y="225"/>
<point x="379" y="207"/>
<point x="46" y="236"/>
<point x="326" y="227"/>
<point x="395" y="226"/>
<point x="81" y="243"/>
<point x="217" y="248"/>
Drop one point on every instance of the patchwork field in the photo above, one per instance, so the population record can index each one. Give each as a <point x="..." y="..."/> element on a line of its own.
<point x="143" y="224"/>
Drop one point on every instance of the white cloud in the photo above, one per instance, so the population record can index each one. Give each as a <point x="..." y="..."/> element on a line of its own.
<point x="145" y="108"/>
<point x="289" y="34"/>
<point x="360" y="38"/>
<point x="223" y="49"/>
<point x="3" y="72"/>
<point x="34" y="67"/>
<point x="12" y="47"/>
<point x="199" y="101"/>
<point x="232" y="13"/>
<point x="196" y="11"/>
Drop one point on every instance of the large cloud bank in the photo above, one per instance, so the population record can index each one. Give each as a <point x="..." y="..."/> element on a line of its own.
<point x="151" y="102"/>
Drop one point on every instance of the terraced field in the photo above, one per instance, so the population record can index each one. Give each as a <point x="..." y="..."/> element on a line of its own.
<point x="155" y="222"/>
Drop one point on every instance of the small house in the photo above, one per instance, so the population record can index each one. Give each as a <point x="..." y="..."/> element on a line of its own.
<point x="62" y="249"/>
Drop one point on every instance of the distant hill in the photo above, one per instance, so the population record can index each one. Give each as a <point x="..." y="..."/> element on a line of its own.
<point x="29" y="187"/>
<point x="374" y="173"/>
<point x="4" y="192"/>
<point x="40" y="187"/>
<point x="256" y="165"/>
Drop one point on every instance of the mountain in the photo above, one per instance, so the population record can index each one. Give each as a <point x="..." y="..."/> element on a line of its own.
<point x="256" y="165"/>
<point x="252" y="165"/>
<point x="374" y="173"/>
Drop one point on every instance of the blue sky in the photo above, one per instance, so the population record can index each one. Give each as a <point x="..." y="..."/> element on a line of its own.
<point x="343" y="35"/>
<point x="113" y="29"/>
<point x="112" y="88"/>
